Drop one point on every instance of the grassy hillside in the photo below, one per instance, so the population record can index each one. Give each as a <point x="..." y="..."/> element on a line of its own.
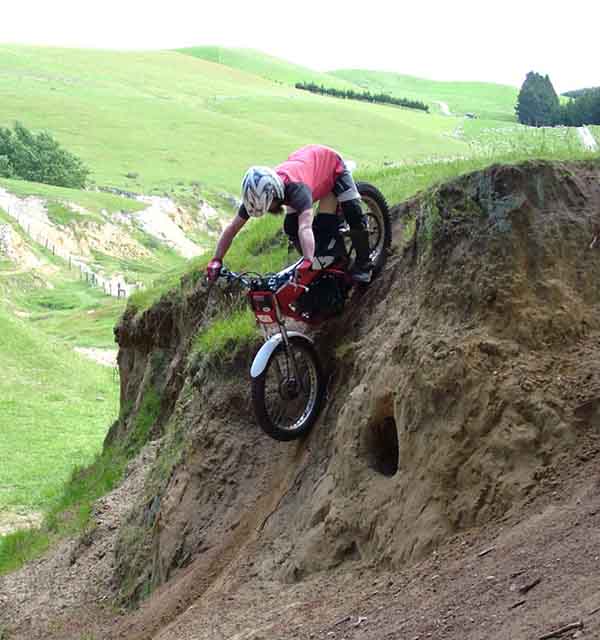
<point x="172" y="118"/>
<point x="55" y="408"/>
<point x="261" y="64"/>
<point x="487" y="100"/>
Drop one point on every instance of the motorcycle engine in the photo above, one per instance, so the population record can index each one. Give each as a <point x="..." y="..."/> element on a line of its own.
<point x="325" y="297"/>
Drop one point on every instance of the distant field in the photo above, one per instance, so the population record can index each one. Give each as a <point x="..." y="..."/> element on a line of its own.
<point x="261" y="64"/>
<point x="71" y="313"/>
<point x="55" y="408"/>
<point x="173" y="118"/>
<point x="494" y="138"/>
<point x="490" y="101"/>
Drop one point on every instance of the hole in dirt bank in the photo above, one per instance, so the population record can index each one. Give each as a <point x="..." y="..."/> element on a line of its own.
<point x="381" y="446"/>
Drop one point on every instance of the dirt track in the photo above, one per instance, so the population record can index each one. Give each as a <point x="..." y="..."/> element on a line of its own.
<point x="470" y="588"/>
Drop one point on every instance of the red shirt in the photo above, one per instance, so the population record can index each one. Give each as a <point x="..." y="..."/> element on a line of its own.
<point x="316" y="166"/>
<point x="308" y="175"/>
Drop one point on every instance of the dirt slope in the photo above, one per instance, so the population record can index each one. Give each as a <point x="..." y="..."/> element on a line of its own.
<point x="463" y="413"/>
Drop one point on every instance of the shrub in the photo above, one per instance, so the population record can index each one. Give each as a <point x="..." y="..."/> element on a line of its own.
<point x="39" y="158"/>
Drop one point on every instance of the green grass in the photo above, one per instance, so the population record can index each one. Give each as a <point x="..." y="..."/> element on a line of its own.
<point x="261" y="64"/>
<point x="224" y="337"/>
<point x="69" y="511"/>
<point x="402" y="182"/>
<point x="144" y="420"/>
<point x="55" y="407"/>
<point x="486" y="100"/>
<point x="495" y="139"/>
<point x="73" y="312"/>
<point x="19" y="547"/>
<point x="173" y="118"/>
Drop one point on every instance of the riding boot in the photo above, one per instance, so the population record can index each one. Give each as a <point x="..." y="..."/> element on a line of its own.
<point x="362" y="268"/>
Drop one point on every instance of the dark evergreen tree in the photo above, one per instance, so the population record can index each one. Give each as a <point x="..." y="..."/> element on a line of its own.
<point x="538" y="104"/>
<point x="367" y="96"/>
<point x="583" y="110"/>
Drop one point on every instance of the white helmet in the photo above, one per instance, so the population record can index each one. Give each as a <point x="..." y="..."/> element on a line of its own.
<point x="260" y="187"/>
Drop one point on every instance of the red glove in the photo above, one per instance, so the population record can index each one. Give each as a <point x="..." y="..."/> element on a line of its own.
<point x="213" y="269"/>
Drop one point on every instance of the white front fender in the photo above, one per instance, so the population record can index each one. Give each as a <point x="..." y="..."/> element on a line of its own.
<point x="264" y="353"/>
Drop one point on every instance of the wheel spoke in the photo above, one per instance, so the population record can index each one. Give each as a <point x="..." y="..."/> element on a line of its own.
<point x="288" y="401"/>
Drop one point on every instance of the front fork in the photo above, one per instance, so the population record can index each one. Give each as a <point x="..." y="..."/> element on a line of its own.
<point x="288" y="349"/>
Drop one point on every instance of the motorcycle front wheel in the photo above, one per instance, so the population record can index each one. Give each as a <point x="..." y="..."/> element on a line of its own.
<point x="287" y="405"/>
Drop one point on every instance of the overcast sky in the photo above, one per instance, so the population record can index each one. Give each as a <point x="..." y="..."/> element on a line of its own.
<point x="453" y="40"/>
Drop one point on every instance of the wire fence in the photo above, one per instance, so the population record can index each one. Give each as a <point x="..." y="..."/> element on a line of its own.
<point x="114" y="285"/>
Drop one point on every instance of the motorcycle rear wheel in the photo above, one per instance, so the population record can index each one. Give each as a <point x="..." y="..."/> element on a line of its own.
<point x="287" y="408"/>
<point x="377" y="216"/>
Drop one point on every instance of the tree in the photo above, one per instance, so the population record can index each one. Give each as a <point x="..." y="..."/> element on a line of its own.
<point x="538" y="103"/>
<point x="39" y="158"/>
<point x="584" y="109"/>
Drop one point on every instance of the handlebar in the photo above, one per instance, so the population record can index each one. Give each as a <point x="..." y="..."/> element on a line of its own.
<point x="255" y="281"/>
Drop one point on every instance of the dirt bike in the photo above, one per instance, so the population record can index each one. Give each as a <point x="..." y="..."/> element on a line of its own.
<point x="288" y="385"/>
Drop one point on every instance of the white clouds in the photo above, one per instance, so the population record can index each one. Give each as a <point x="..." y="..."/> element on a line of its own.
<point x="453" y="40"/>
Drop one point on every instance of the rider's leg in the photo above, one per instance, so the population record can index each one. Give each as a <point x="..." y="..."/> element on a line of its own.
<point x="349" y="199"/>
<point x="327" y="227"/>
<point x="361" y="271"/>
<point x="328" y="241"/>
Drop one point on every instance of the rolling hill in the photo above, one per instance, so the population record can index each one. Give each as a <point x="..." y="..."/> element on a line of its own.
<point x="486" y="100"/>
<point x="146" y="121"/>
<point x="266" y="66"/>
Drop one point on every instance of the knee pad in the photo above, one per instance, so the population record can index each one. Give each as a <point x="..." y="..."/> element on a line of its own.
<point x="354" y="214"/>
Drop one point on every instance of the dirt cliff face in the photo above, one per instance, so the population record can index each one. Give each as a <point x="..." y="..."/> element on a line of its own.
<point x="460" y="382"/>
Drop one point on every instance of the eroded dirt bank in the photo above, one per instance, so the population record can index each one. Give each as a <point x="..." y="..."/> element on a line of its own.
<point x="463" y="412"/>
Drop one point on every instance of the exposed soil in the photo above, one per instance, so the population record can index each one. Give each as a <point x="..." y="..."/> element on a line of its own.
<point x="451" y="488"/>
<point x="164" y="221"/>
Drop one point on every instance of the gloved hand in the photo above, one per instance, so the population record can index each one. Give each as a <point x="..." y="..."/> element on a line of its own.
<point x="213" y="269"/>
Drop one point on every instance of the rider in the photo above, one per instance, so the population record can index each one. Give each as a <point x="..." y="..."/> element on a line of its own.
<point x="312" y="173"/>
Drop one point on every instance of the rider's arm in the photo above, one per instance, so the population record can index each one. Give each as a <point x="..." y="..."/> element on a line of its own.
<point x="305" y="234"/>
<point x="229" y="233"/>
